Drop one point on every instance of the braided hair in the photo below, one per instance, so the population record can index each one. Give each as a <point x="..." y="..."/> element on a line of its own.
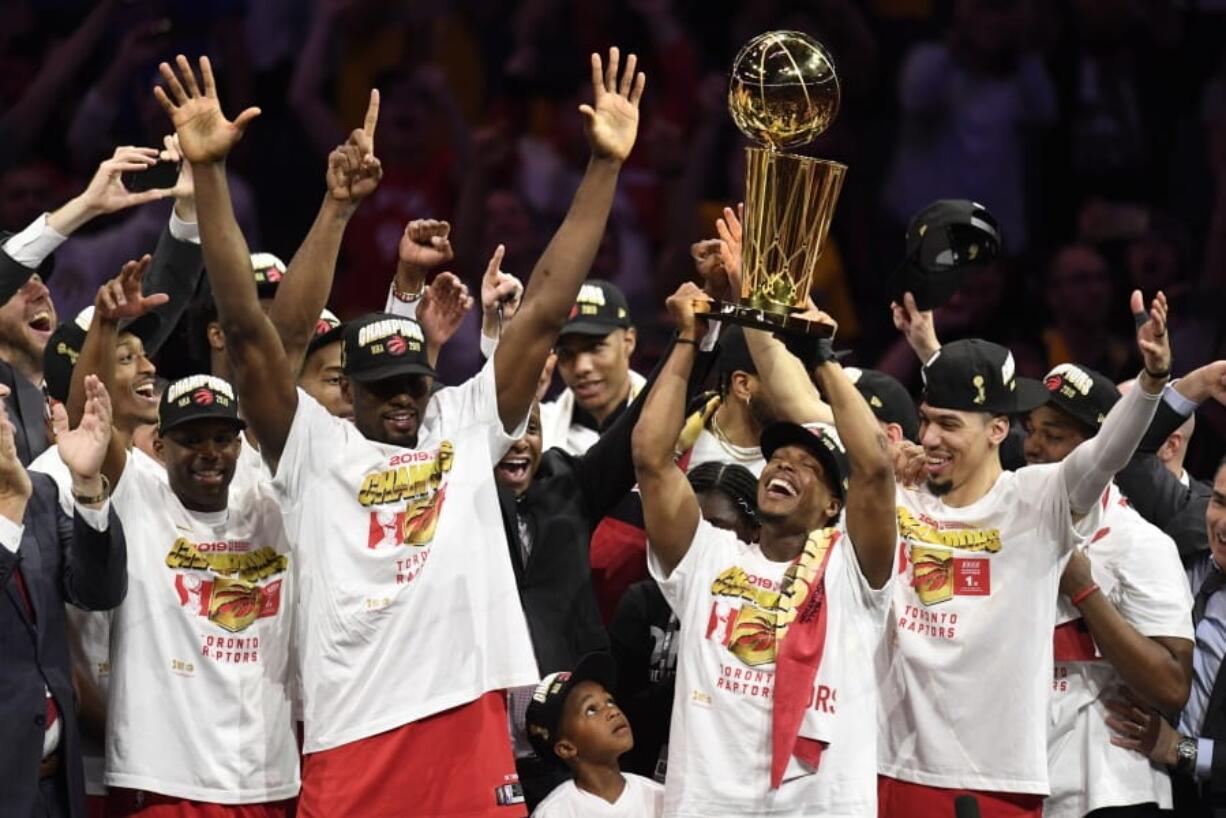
<point x="734" y="481"/>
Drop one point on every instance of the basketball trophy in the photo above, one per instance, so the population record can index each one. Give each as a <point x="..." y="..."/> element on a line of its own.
<point x="783" y="93"/>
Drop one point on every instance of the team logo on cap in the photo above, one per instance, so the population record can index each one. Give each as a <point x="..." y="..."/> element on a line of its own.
<point x="65" y="351"/>
<point x="396" y="345"/>
<point x="203" y="396"/>
<point x="203" y="390"/>
<point x="980" y="394"/>
<point x="409" y="333"/>
<point x="1069" y="380"/>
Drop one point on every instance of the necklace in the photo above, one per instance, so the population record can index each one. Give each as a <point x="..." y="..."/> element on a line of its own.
<point x="739" y="453"/>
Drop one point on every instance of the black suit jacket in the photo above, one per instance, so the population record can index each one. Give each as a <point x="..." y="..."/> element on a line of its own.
<point x="1159" y="497"/>
<point x="62" y="559"/>
<point x="175" y="269"/>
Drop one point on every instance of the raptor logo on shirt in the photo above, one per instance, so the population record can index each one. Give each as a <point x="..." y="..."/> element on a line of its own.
<point x="416" y="479"/>
<point x="938" y="572"/>
<point x="747" y="630"/>
<point x="223" y="581"/>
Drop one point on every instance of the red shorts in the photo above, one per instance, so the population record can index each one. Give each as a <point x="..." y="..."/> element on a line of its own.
<point x="454" y="764"/>
<point x="121" y="803"/>
<point x="902" y="799"/>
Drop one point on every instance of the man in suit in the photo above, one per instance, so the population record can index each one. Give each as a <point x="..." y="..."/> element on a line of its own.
<point x="47" y="559"/>
<point x="27" y="314"/>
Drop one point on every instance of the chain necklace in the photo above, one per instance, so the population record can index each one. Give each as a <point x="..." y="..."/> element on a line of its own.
<point x="739" y="453"/>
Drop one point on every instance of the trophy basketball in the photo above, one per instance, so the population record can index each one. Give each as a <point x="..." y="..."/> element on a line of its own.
<point x="783" y="93"/>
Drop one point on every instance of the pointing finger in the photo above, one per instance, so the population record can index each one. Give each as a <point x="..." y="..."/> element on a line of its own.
<point x="372" y="116"/>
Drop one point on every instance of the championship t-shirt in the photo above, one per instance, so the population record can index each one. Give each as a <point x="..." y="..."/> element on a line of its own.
<point x="408" y="599"/>
<point x="641" y="798"/>
<point x="707" y="448"/>
<point x="725" y="593"/>
<point x="1139" y="570"/>
<point x="966" y="672"/>
<point x="199" y="706"/>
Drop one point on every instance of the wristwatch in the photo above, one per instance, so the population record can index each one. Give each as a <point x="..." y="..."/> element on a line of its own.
<point x="1185" y="756"/>
<point x="86" y="500"/>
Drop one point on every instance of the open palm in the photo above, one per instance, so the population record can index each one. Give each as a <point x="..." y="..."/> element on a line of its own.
<point x="84" y="448"/>
<point x="205" y="135"/>
<point x="612" y="121"/>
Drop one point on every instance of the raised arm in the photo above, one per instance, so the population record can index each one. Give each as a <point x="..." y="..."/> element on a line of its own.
<point x="1088" y="470"/>
<point x="353" y="174"/>
<point x="611" y="124"/>
<point x="670" y="509"/>
<point x="870" y="493"/>
<point x="117" y="300"/>
<point x="262" y="373"/>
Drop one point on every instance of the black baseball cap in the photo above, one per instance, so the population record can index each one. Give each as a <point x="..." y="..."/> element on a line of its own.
<point x="599" y="309"/>
<point x="197" y="397"/>
<point x="889" y="399"/>
<point x="944" y="239"/>
<point x="975" y="375"/>
<point x="549" y="699"/>
<point x="381" y="345"/>
<point x="43" y="270"/>
<point x="1080" y="392"/>
<point x="820" y="439"/>
<point x="734" y="352"/>
<point x="328" y="329"/>
<point x="268" y="271"/>
<point x="65" y="343"/>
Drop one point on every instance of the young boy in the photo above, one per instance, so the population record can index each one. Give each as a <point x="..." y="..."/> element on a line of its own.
<point x="574" y="720"/>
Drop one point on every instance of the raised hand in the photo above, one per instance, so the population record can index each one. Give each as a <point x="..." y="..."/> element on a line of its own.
<point x="442" y="309"/>
<point x="916" y="326"/>
<point x="1152" y="338"/>
<point x="15" y="488"/>
<point x="205" y="135"/>
<point x="106" y="192"/>
<point x="499" y="290"/>
<point x="353" y="169"/>
<point x="121" y="297"/>
<point x="710" y="262"/>
<point x="84" y="448"/>
<point x="612" y="121"/>
<point x="728" y="228"/>
<point x="681" y="307"/>
<point x="425" y="244"/>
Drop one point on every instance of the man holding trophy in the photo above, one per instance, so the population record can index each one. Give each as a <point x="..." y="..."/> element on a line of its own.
<point x="775" y="707"/>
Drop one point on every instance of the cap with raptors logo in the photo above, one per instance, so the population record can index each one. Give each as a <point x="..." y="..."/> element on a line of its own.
<point x="549" y="699"/>
<point x="975" y="375"/>
<point x="328" y="329"/>
<point x="381" y="345"/>
<point x="199" y="397"/>
<point x="820" y="439"/>
<point x="599" y="309"/>
<point x="268" y="271"/>
<point x="1080" y="392"/>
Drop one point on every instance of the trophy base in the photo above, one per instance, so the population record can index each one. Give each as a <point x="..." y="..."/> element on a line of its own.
<point x="759" y="318"/>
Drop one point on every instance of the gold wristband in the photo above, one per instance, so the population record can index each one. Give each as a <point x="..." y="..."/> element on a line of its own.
<point x="89" y="501"/>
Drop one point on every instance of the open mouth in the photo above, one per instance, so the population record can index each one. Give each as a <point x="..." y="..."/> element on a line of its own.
<point x="936" y="465"/>
<point x="402" y="420"/>
<point x="514" y="469"/>
<point x="621" y="729"/>
<point x="146" y="391"/>
<point x="41" y="322"/>
<point x="780" y="487"/>
<point x="209" y="477"/>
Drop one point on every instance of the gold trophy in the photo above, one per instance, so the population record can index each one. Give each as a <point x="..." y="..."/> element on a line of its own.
<point x="783" y="93"/>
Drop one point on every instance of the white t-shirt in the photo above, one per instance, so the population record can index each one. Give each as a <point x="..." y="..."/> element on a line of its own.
<point x="708" y="448"/>
<point x="966" y="673"/>
<point x="199" y="706"/>
<point x="641" y="798"/>
<point x="719" y="752"/>
<point x="1138" y="568"/>
<point x="408" y="603"/>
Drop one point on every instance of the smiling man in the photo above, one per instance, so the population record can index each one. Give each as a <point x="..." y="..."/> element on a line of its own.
<point x="775" y="701"/>
<point x="982" y="552"/>
<point x="594" y="350"/>
<point x="402" y="648"/>
<point x="1135" y="632"/>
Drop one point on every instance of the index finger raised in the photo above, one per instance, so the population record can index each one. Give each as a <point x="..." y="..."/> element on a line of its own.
<point x="372" y="115"/>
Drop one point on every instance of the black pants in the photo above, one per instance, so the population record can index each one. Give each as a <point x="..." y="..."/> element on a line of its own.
<point x="52" y="797"/>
